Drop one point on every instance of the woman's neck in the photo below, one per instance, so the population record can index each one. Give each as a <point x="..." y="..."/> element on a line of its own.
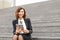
<point x="20" y="18"/>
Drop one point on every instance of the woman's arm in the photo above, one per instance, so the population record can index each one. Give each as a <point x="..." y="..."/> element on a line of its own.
<point x="30" y="26"/>
<point x="14" y="28"/>
<point x="29" y="30"/>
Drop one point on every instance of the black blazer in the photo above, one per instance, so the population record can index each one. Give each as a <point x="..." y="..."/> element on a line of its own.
<point x="28" y="25"/>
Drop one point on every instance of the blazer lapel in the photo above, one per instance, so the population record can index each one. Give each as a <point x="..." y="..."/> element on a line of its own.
<point x="16" y="21"/>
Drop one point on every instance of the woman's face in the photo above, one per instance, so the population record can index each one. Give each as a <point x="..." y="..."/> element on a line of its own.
<point x="21" y="13"/>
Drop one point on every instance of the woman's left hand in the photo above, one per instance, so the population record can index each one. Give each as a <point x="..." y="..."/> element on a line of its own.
<point x="26" y="31"/>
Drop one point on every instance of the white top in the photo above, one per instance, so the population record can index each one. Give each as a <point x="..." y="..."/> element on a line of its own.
<point x="23" y="23"/>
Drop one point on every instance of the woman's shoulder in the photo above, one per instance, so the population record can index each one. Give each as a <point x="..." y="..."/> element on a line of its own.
<point x="27" y="18"/>
<point x="14" y="20"/>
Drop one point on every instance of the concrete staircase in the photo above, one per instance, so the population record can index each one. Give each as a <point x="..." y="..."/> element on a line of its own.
<point x="45" y="18"/>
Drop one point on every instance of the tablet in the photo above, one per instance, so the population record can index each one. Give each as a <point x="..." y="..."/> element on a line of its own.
<point x="19" y="26"/>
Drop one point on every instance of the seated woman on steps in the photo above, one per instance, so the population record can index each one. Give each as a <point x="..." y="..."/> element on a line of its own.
<point x="21" y="32"/>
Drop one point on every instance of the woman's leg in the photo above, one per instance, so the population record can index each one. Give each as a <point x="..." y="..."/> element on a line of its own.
<point x="14" y="37"/>
<point x="20" y="37"/>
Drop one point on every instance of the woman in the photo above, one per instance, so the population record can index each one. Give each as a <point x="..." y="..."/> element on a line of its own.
<point x="24" y="34"/>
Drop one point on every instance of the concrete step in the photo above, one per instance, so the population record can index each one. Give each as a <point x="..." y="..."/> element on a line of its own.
<point x="10" y="38"/>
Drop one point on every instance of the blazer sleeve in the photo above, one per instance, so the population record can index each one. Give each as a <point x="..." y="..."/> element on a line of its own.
<point x="14" y="28"/>
<point x="29" y="26"/>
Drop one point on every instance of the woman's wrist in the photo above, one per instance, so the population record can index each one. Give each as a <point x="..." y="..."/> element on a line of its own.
<point x="26" y="31"/>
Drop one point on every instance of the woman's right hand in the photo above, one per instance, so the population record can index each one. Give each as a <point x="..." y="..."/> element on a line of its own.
<point x="17" y="31"/>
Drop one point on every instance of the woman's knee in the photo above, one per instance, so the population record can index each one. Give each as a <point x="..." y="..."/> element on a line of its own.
<point x="14" y="36"/>
<point x="20" y="36"/>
